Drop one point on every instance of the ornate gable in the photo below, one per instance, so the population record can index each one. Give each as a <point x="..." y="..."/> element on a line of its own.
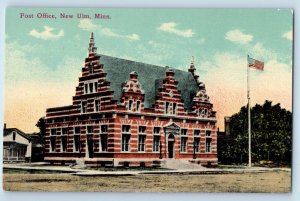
<point x="168" y="100"/>
<point x="132" y="96"/>
<point x="93" y="91"/>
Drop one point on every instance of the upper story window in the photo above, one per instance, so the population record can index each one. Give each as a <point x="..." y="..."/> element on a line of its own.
<point x="205" y="111"/>
<point x="91" y="87"/>
<point x="83" y="107"/>
<point x="199" y="111"/>
<point x="167" y="104"/>
<point x="96" y="86"/>
<point x="174" y="108"/>
<point x="97" y="105"/>
<point x="86" y="88"/>
<point x="130" y="103"/>
<point x="14" y="136"/>
<point x="91" y="69"/>
<point x="138" y="106"/>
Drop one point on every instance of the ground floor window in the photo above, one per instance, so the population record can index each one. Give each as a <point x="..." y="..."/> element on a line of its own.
<point x="76" y="143"/>
<point x="183" y="144"/>
<point x="53" y="143"/>
<point x="208" y="145"/>
<point x="103" y="142"/>
<point x="197" y="144"/>
<point x="156" y="142"/>
<point x="64" y="143"/>
<point x="125" y="142"/>
<point x="141" y="145"/>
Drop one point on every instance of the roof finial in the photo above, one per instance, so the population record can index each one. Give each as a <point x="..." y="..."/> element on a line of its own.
<point x="192" y="63"/>
<point x="192" y="66"/>
<point x="92" y="48"/>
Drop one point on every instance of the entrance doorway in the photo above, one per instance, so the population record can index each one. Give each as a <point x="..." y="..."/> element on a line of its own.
<point x="171" y="141"/>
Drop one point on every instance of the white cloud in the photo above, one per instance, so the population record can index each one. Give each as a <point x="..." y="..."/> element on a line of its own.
<point x="87" y="25"/>
<point x="47" y="33"/>
<point x="110" y="33"/>
<point x="237" y="36"/>
<point x="171" y="28"/>
<point x="259" y="51"/>
<point x="288" y="35"/>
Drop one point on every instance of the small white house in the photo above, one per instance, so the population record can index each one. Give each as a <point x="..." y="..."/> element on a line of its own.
<point x="16" y="145"/>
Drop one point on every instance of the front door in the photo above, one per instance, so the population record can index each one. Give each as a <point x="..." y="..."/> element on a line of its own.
<point x="90" y="144"/>
<point x="171" y="140"/>
<point x="171" y="149"/>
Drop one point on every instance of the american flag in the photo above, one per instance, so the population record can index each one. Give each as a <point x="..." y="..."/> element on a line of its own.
<point x="253" y="63"/>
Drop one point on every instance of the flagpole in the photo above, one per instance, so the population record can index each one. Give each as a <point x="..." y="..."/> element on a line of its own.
<point x="249" y="115"/>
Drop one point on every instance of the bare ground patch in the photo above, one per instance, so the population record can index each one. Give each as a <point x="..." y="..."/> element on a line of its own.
<point x="275" y="181"/>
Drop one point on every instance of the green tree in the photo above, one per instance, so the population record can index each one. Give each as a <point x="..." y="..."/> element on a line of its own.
<point x="271" y="134"/>
<point x="41" y="124"/>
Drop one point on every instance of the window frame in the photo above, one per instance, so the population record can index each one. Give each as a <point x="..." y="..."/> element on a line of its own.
<point x="183" y="148"/>
<point x="126" y="134"/>
<point x="154" y="145"/>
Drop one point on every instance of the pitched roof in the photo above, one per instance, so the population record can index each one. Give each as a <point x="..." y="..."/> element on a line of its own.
<point x="150" y="78"/>
<point x="7" y="131"/>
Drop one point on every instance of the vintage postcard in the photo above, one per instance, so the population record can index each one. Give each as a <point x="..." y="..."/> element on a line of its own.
<point x="148" y="100"/>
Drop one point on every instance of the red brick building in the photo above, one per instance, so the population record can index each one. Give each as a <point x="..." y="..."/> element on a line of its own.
<point x="126" y="113"/>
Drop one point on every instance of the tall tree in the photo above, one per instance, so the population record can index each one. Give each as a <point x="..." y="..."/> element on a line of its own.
<point x="271" y="135"/>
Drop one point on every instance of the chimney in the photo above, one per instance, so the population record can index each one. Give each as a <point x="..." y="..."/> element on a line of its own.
<point x="4" y="126"/>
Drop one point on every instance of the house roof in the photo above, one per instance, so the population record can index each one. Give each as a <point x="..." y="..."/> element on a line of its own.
<point x="150" y="78"/>
<point x="7" y="131"/>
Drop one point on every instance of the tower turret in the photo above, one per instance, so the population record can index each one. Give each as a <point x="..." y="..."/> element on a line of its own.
<point x="92" y="49"/>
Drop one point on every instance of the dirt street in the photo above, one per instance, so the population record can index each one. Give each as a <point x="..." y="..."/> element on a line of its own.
<point x="275" y="181"/>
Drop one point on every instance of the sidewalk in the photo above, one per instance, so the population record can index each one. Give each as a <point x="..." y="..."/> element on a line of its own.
<point x="89" y="172"/>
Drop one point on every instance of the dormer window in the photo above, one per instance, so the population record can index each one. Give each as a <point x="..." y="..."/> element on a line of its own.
<point x="138" y="106"/>
<point x="130" y="102"/>
<point x="205" y="111"/>
<point x="167" y="107"/>
<point x="91" y="70"/>
<point x="199" y="112"/>
<point x="174" y="108"/>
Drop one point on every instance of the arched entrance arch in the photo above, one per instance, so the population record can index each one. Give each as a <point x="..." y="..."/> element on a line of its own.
<point x="171" y="142"/>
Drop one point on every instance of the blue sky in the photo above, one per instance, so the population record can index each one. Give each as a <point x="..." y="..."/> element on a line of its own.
<point x="44" y="56"/>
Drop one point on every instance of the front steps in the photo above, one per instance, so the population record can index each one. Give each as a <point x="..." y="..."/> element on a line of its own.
<point x="181" y="164"/>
